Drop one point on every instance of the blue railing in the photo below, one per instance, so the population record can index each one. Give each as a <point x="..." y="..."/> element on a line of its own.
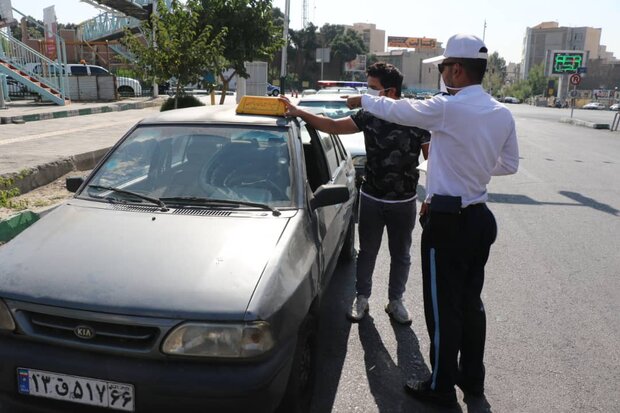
<point x="105" y="25"/>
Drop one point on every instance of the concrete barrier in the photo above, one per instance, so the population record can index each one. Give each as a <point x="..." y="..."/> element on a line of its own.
<point x="584" y="123"/>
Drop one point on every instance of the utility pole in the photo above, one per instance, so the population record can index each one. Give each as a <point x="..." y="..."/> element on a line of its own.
<point x="287" y="11"/>
<point x="155" y="86"/>
<point x="484" y="30"/>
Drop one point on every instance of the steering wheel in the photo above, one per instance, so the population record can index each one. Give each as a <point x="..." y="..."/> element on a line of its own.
<point x="239" y="178"/>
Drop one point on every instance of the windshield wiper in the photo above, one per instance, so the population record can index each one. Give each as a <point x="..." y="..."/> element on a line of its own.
<point x="209" y="201"/>
<point x="155" y="201"/>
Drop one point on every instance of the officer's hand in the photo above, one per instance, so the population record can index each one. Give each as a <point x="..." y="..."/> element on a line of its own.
<point x="354" y="102"/>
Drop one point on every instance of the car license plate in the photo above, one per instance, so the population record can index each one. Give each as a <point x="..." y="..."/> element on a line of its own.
<point x="76" y="389"/>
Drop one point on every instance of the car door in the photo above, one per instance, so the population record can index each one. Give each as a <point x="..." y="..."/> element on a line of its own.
<point x="335" y="217"/>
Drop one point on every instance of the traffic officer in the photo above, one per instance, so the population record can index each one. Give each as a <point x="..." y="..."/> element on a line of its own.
<point x="473" y="138"/>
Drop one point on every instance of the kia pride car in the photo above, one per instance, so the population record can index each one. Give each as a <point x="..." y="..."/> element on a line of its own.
<point x="187" y="272"/>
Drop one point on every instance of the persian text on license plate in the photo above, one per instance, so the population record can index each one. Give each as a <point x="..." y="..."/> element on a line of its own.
<point x="76" y="389"/>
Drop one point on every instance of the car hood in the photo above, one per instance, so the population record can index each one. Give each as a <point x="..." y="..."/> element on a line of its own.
<point x="140" y="263"/>
<point x="354" y="144"/>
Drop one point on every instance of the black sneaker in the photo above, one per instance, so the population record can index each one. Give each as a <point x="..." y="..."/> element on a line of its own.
<point x="421" y="390"/>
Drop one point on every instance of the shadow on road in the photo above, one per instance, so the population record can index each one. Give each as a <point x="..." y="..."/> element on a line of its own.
<point x="334" y="332"/>
<point x="582" y="201"/>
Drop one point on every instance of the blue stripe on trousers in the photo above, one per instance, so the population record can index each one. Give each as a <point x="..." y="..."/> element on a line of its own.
<point x="435" y="316"/>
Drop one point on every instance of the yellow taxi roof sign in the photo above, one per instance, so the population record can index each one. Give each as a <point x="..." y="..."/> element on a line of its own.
<point x="261" y="105"/>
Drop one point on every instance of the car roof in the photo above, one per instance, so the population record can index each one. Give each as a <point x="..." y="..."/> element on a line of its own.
<point x="214" y="114"/>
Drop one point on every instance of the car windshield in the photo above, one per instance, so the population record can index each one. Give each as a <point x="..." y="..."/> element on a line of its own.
<point x="185" y="163"/>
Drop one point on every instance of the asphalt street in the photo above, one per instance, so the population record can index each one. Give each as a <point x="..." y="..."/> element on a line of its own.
<point x="552" y="291"/>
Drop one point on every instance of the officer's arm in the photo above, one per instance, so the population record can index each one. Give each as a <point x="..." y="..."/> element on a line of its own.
<point x="508" y="161"/>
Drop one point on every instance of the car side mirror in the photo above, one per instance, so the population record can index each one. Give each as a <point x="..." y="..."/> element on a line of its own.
<point x="329" y="194"/>
<point x="73" y="183"/>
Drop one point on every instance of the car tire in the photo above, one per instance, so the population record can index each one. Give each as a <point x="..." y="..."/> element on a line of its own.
<point x="300" y="388"/>
<point x="275" y="93"/>
<point x="126" y="91"/>
<point x="348" y="253"/>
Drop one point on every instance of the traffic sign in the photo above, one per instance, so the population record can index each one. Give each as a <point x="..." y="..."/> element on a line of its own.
<point x="582" y="70"/>
<point x="574" y="93"/>
<point x="575" y="79"/>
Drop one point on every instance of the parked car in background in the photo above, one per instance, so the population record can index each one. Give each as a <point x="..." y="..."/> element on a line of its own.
<point x="511" y="99"/>
<point x="272" y="90"/>
<point x="125" y="86"/>
<point x="615" y="106"/>
<point x="186" y="273"/>
<point x="338" y="91"/>
<point x="594" y="106"/>
<point x="307" y="92"/>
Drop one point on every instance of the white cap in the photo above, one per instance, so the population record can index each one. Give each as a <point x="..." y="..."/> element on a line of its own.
<point x="462" y="46"/>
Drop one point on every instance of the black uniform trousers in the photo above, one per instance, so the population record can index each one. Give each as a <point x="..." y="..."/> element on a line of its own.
<point x="455" y="249"/>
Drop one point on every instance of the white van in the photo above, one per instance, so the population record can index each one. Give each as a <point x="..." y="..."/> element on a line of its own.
<point x="126" y="86"/>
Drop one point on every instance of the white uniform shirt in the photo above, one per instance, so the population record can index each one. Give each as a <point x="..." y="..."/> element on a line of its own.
<point x="473" y="137"/>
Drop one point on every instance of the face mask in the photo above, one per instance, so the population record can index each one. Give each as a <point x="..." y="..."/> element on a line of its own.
<point x="444" y="88"/>
<point x="373" y="92"/>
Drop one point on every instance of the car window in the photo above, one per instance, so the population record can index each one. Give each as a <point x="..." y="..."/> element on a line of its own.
<point x="78" y="70"/>
<point x="94" y="70"/>
<point x="340" y="151"/>
<point x="217" y="162"/>
<point x="330" y="152"/>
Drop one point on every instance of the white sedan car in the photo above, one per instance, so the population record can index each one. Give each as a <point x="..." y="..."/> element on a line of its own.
<point x="594" y="106"/>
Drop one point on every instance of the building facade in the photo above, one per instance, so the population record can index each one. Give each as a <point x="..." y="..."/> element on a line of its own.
<point x="417" y="75"/>
<point x="374" y="39"/>
<point x="540" y="40"/>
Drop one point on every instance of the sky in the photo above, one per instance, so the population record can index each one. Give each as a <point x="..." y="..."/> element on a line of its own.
<point x="506" y="21"/>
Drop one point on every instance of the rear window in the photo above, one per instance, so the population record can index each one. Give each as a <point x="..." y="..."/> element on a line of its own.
<point x="78" y="70"/>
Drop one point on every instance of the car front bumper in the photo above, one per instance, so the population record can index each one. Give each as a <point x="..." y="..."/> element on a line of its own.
<point x="160" y="385"/>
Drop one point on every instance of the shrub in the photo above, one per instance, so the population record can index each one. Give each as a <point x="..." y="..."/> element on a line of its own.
<point x="186" y="101"/>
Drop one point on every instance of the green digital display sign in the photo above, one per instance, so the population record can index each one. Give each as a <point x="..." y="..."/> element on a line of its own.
<point x="567" y="62"/>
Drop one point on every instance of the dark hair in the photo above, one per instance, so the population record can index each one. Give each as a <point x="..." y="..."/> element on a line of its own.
<point x="475" y="68"/>
<point x="388" y="75"/>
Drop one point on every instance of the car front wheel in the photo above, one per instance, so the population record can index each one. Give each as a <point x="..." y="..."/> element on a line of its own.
<point x="126" y="91"/>
<point x="298" y="395"/>
<point x="275" y="93"/>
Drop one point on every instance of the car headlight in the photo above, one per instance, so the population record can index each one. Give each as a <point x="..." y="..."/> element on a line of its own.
<point x="219" y="340"/>
<point x="6" y="319"/>
<point x="359" y="161"/>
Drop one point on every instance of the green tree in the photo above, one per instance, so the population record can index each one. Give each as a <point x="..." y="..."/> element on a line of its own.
<point x="537" y="80"/>
<point x="185" y="48"/>
<point x="496" y="74"/>
<point x="302" y="53"/>
<point x="252" y="34"/>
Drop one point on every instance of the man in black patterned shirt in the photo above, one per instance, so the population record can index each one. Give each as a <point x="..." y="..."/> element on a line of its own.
<point x="388" y="193"/>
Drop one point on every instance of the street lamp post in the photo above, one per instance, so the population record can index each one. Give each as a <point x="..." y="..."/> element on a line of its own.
<point x="287" y="11"/>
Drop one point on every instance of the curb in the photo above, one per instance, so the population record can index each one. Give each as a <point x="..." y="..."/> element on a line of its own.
<point x="12" y="226"/>
<point x="44" y="174"/>
<point x="116" y="107"/>
<point x="584" y="123"/>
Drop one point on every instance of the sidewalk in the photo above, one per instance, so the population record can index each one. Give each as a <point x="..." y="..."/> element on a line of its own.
<point x="35" y="154"/>
<point x="21" y="111"/>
